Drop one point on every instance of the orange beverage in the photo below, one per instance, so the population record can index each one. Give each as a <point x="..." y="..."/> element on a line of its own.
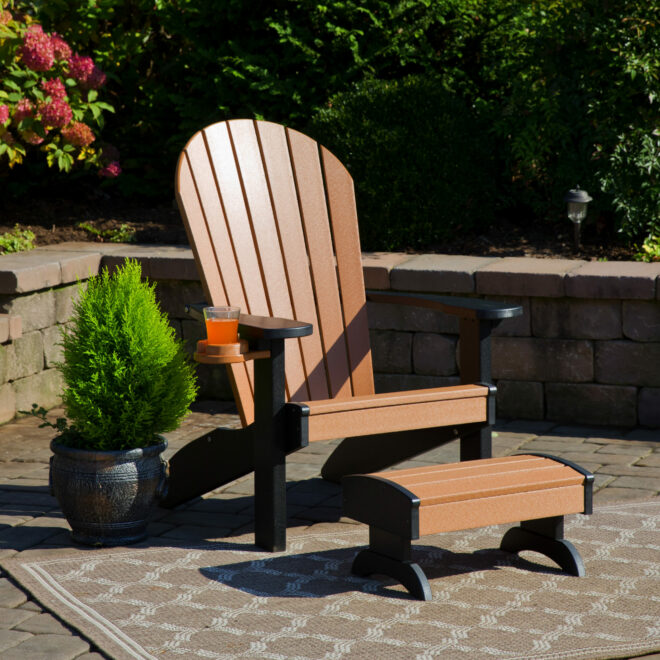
<point x="221" y="324"/>
<point x="222" y="331"/>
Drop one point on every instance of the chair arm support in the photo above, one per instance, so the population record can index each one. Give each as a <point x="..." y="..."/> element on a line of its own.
<point x="477" y="319"/>
<point x="467" y="308"/>
<point x="259" y="327"/>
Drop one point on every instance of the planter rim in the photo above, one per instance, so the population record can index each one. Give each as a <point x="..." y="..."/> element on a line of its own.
<point x="109" y="454"/>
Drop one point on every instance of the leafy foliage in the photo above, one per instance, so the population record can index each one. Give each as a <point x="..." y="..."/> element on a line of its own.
<point x="566" y="91"/>
<point x="126" y="376"/>
<point x="49" y="98"/>
<point x="650" y="250"/>
<point x="421" y="158"/>
<point x="16" y="240"/>
<point x="576" y="100"/>
<point x="632" y="176"/>
<point x="122" y="234"/>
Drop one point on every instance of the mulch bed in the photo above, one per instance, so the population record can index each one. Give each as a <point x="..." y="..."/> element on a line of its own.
<point x="58" y="220"/>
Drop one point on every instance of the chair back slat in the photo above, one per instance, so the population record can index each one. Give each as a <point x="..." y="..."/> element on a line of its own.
<point x="207" y="232"/>
<point x="314" y="211"/>
<point x="266" y="212"/>
<point x="343" y="218"/>
<point x="277" y="161"/>
<point x="261" y="213"/>
<point x="238" y="223"/>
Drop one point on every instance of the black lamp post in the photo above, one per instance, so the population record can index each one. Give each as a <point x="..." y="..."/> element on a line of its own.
<point x="577" y="201"/>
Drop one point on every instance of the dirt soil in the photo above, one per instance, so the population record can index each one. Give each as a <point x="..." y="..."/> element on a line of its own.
<point x="57" y="221"/>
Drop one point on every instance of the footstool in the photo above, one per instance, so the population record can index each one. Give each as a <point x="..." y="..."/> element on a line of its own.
<point x="401" y="505"/>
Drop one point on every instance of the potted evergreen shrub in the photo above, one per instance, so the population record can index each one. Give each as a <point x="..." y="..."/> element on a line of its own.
<point x="126" y="380"/>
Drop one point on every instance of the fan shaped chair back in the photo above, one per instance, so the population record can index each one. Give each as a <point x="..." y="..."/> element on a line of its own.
<point x="271" y="218"/>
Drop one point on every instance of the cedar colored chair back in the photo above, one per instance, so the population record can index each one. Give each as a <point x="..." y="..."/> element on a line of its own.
<point x="268" y="213"/>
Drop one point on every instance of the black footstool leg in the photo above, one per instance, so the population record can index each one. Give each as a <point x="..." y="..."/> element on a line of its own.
<point x="545" y="535"/>
<point x="389" y="555"/>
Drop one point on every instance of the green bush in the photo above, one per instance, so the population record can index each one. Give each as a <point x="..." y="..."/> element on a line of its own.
<point x="565" y="87"/>
<point x="126" y="376"/>
<point x="632" y="176"/>
<point x="177" y="65"/>
<point x="422" y="161"/>
<point x="48" y="99"/>
<point x="575" y="93"/>
<point x="17" y="240"/>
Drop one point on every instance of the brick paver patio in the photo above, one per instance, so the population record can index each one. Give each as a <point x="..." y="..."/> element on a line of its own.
<point x="626" y="465"/>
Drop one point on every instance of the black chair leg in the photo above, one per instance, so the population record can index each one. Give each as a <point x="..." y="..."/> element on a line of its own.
<point x="545" y="536"/>
<point x="477" y="444"/>
<point x="389" y="554"/>
<point x="269" y="451"/>
<point x="408" y="573"/>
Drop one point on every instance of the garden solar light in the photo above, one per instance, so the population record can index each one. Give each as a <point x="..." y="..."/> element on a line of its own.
<point x="577" y="201"/>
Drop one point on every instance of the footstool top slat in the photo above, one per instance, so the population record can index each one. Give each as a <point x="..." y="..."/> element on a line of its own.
<point x="476" y="467"/>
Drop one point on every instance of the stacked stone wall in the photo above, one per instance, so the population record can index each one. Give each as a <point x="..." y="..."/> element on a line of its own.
<point x="585" y="350"/>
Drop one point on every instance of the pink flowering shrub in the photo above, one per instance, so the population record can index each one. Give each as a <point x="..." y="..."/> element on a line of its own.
<point x="110" y="170"/>
<point x="78" y="134"/>
<point x="49" y="99"/>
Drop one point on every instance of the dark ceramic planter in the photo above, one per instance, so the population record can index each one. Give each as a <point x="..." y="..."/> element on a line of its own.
<point x="107" y="496"/>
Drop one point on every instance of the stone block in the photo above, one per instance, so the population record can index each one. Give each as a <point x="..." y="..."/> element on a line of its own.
<point x="605" y="405"/>
<point x="52" y="338"/>
<point x="5" y="352"/>
<point x="192" y="332"/>
<point x="641" y="320"/>
<point x="15" y="327"/>
<point x="213" y="383"/>
<point x="173" y="296"/>
<point x="26" y="356"/>
<point x="438" y="273"/>
<point x="29" y="271"/>
<point x="648" y="406"/>
<point x="11" y="327"/>
<point x="7" y="403"/>
<point x="576" y="319"/>
<point x="434" y="355"/>
<point x="79" y="265"/>
<point x="518" y="326"/>
<point x="64" y="299"/>
<point x="386" y="316"/>
<point x="178" y="331"/>
<point x="377" y="266"/>
<point x="391" y="351"/>
<point x="180" y="267"/>
<point x="520" y="399"/>
<point x="525" y="276"/>
<point x="627" y="363"/>
<point x="613" y="279"/>
<point x="44" y="389"/>
<point x="405" y="382"/>
<point x="561" y="360"/>
<point x="37" y="310"/>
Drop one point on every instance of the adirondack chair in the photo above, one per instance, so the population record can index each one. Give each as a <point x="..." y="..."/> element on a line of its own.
<point x="272" y="222"/>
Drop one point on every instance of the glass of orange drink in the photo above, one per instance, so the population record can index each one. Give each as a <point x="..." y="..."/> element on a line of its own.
<point x="221" y="324"/>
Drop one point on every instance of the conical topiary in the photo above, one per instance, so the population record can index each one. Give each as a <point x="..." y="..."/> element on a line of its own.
<point x="126" y="376"/>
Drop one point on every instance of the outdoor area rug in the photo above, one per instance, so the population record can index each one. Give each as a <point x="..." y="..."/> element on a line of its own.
<point x="228" y="599"/>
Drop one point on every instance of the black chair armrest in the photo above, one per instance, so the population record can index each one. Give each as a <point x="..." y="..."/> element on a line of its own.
<point x="467" y="308"/>
<point x="259" y="327"/>
<point x="270" y="327"/>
